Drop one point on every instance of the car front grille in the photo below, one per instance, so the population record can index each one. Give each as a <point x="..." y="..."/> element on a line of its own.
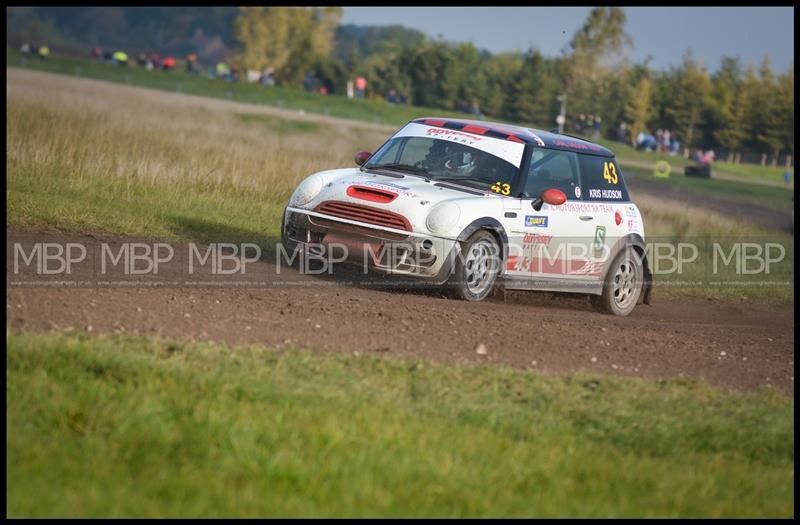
<point x="367" y="214"/>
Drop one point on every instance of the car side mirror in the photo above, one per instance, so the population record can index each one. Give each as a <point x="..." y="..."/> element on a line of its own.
<point x="551" y="196"/>
<point x="362" y="157"/>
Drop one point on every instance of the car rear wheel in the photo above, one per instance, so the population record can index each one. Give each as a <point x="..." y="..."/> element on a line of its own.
<point x="477" y="267"/>
<point x="622" y="286"/>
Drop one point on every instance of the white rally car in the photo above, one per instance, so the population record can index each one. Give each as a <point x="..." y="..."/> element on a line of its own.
<point x="472" y="204"/>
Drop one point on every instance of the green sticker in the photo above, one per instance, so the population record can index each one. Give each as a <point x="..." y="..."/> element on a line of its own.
<point x="599" y="237"/>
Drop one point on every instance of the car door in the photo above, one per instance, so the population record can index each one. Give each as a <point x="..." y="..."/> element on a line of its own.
<point x="550" y="246"/>
<point x="607" y="201"/>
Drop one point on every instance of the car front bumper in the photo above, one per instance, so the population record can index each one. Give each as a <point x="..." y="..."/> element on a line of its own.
<point x="385" y="250"/>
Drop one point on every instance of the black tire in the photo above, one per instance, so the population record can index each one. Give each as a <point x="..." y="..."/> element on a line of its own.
<point x="476" y="268"/>
<point x="623" y="284"/>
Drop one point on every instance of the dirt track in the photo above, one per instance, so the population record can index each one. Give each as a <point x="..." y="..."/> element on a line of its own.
<point x="736" y="346"/>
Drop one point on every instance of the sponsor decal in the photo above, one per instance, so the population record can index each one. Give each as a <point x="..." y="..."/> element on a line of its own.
<point x="590" y="268"/>
<point x="630" y="211"/>
<point x="516" y="263"/>
<point x="577" y="192"/>
<point x="617" y="217"/>
<point x="583" y="207"/>
<point x="536" y="221"/>
<point x="633" y="225"/>
<point x="388" y="186"/>
<point x="531" y="239"/>
<point x="605" y="194"/>
<point x="507" y="150"/>
<point x="599" y="238"/>
<point x="575" y="145"/>
<point x="453" y="135"/>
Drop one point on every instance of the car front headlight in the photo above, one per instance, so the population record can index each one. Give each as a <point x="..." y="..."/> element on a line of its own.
<point x="443" y="217"/>
<point x="307" y="190"/>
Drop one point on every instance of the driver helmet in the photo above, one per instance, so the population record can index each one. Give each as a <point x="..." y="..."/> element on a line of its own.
<point x="462" y="163"/>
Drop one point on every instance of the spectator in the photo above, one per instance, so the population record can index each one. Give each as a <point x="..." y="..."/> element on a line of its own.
<point x="96" y="53"/>
<point x="309" y="81"/>
<point x="361" y="87"/>
<point x="705" y="158"/>
<point x="141" y="60"/>
<point x="120" y="58"/>
<point x="191" y="63"/>
<point x="25" y="47"/>
<point x="44" y="52"/>
<point x="622" y="132"/>
<point x="168" y="64"/>
<point x="391" y="98"/>
<point x="646" y="142"/>
<point x="674" y="146"/>
<point x="222" y="70"/>
<point x="234" y="74"/>
<point x="268" y="77"/>
<point x="597" y="123"/>
<point x="580" y="123"/>
<point x="475" y="109"/>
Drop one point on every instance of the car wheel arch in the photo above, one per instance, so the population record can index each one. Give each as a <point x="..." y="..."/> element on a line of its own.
<point x="493" y="226"/>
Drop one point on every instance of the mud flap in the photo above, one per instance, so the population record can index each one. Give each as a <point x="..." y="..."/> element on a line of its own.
<point x="647" y="287"/>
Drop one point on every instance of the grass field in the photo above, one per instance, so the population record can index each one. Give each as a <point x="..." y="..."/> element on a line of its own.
<point x="128" y="426"/>
<point x="104" y="158"/>
<point x="179" y="81"/>
<point x="771" y="196"/>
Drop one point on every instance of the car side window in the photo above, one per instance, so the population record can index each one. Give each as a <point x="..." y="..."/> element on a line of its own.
<point x="552" y="169"/>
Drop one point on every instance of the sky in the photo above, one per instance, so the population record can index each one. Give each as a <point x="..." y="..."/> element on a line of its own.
<point x="661" y="32"/>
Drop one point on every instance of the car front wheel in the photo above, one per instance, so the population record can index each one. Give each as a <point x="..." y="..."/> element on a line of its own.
<point x="477" y="267"/>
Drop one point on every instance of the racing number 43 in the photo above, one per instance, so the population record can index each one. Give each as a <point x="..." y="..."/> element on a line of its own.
<point x="503" y="189"/>
<point x="610" y="172"/>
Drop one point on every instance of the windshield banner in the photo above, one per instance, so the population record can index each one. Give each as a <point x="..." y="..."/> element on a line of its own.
<point x="505" y="149"/>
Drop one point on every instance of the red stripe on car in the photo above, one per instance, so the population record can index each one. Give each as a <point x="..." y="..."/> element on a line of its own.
<point x="469" y="128"/>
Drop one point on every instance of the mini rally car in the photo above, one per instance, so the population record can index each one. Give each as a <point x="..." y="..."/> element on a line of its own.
<point x="475" y="205"/>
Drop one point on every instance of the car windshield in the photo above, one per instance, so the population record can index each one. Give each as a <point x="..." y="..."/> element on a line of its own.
<point x="444" y="160"/>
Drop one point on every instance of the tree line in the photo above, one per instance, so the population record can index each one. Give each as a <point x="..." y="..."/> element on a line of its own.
<point x="739" y="108"/>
